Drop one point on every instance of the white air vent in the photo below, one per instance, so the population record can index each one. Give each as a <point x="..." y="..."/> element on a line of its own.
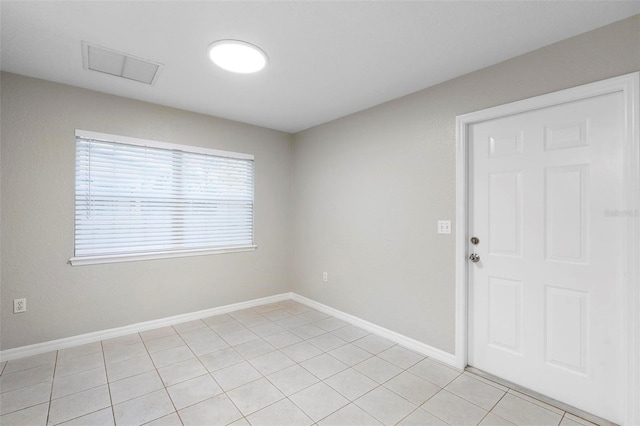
<point x="101" y="59"/>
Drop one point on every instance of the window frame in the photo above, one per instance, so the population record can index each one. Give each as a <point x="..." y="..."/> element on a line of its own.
<point x="131" y="257"/>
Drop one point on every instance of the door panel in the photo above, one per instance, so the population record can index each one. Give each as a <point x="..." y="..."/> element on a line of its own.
<point x="546" y="297"/>
<point x="566" y="213"/>
<point x="505" y="213"/>
<point x="505" y="314"/>
<point x="566" y="328"/>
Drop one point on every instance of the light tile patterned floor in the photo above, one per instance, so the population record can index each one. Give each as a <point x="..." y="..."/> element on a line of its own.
<point x="277" y="364"/>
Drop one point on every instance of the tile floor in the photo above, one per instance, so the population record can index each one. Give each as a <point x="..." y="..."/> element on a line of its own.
<point x="277" y="364"/>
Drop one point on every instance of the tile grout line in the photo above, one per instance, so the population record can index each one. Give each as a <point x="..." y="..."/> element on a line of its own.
<point x="409" y="414"/>
<point x="104" y="358"/>
<point x="562" y="418"/>
<point x="494" y="406"/>
<point x="53" y="379"/>
<point x="175" y="410"/>
<point x="77" y="392"/>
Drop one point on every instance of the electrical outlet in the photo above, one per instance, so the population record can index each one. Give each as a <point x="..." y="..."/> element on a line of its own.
<point x="19" y="305"/>
<point x="325" y="277"/>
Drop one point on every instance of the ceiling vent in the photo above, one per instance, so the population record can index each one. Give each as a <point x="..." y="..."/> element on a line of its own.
<point x="101" y="59"/>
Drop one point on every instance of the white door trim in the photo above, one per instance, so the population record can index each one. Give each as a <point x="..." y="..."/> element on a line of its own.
<point x="629" y="85"/>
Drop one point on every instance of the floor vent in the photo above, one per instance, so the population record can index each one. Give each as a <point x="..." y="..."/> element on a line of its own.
<point x="119" y="64"/>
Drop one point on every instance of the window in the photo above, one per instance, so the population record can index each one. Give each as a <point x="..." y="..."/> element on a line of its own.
<point x="138" y="199"/>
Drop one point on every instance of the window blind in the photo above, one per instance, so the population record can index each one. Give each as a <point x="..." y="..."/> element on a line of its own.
<point x="138" y="197"/>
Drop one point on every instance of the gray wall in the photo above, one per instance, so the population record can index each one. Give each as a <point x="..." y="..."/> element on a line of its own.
<point x="37" y="178"/>
<point x="369" y="188"/>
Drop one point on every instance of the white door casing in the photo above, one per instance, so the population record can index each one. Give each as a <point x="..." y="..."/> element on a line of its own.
<point x="550" y="187"/>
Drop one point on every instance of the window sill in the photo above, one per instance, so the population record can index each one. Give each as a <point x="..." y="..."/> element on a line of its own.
<point x="117" y="258"/>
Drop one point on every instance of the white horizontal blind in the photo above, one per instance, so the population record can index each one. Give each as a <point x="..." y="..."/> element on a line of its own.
<point x="133" y="199"/>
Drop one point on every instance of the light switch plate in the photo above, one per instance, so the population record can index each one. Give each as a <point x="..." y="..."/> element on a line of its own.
<point x="19" y="305"/>
<point x="444" y="227"/>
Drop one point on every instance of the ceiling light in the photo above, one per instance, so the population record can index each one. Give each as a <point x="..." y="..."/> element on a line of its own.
<point x="237" y="56"/>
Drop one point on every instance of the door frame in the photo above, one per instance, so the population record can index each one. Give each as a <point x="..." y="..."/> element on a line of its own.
<point x="629" y="85"/>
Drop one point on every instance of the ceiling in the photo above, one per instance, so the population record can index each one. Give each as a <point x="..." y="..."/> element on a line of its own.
<point x="327" y="59"/>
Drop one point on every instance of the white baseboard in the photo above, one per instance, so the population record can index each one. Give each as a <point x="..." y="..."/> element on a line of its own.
<point x="398" y="338"/>
<point x="96" y="336"/>
<point x="52" y="345"/>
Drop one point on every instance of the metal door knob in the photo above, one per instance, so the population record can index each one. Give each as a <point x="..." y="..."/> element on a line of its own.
<point x="474" y="257"/>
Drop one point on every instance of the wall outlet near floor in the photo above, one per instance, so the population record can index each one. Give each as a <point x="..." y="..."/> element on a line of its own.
<point x="325" y="277"/>
<point x="19" y="305"/>
<point x="444" y="227"/>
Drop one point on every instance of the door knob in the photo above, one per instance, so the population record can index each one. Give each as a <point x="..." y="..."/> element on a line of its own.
<point x="474" y="257"/>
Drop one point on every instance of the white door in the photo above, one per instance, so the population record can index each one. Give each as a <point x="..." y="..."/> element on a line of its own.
<point x="546" y="296"/>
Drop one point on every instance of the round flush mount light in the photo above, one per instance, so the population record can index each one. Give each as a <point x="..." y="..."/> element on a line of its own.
<point x="237" y="56"/>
